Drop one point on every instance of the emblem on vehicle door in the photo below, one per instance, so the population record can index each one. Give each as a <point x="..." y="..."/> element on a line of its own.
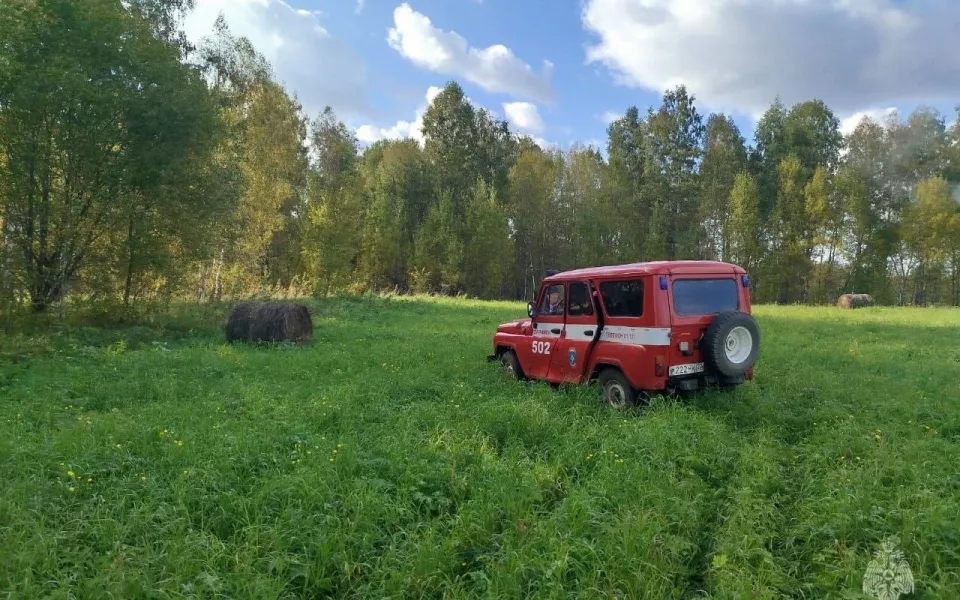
<point x="572" y="356"/>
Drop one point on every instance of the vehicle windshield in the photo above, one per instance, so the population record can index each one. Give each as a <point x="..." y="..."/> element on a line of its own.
<point x="704" y="296"/>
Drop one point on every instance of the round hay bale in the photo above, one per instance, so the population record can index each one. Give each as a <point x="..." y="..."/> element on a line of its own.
<point x="855" y="301"/>
<point x="269" y="322"/>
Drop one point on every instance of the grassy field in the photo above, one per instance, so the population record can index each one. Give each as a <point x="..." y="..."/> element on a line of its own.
<point x="389" y="460"/>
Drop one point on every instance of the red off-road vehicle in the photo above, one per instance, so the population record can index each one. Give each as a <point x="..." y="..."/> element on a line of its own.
<point x="636" y="329"/>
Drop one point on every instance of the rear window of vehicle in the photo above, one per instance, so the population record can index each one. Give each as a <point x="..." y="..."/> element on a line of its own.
<point x="704" y="296"/>
<point x="622" y="298"/>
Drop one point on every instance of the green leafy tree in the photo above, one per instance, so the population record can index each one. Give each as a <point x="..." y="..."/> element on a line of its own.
<point x="96" y="111"/>
<point x="744" y="225"/>
<point x="825" y="228"/>
<point x="675" y="146"/>
<point x="930" y="233"/>
<point x="812" y="134"/>
<point x="335" y="205"/>
<point x="532" y="213"/>
<point x="591" y="209"/>
<point x="868" y="197"/>
<point x="438" y="251"/>
<point x="451" y="143"/>
<point x="397" y="178"/>
<point x="769" y="151"/>
<point x="725" y="156"/>
<point x="629" y="155"/>
<point x="789" y="226"/>
<point x="488" y="249"/>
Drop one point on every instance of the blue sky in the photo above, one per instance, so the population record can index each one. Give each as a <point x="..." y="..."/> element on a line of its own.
<point x="556" y="69"/>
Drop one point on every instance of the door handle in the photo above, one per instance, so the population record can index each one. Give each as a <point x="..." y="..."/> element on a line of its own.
<point x="554" y="331"/>
<point x="589" y="332"/>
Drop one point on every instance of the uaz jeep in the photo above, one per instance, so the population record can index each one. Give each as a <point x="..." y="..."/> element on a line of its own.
<point x="636" y="329"/>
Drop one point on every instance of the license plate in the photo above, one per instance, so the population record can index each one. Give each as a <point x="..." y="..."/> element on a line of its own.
<point x="686" y="369"/>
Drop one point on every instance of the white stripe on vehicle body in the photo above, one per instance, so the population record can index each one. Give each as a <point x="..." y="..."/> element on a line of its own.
<point x="542" y="330"/>
<point x="620" y="334"/>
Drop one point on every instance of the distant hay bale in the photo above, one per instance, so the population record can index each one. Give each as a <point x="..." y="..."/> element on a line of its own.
<point x="269" y="322"/>
<point x="855" y="301"/>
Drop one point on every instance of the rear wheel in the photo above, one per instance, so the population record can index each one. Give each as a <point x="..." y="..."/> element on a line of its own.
<point x="509" y="365"/>
<point x="617" y="391"/>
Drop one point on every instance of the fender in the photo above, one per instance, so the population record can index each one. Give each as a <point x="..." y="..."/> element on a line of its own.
<point x="498" y="344"/>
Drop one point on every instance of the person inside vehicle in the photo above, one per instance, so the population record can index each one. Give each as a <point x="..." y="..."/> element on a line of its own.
<point x="554" y="301"/>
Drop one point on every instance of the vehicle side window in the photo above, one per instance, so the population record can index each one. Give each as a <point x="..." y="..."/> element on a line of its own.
<point x="623" y="298"/>
<point x="580" y="304"/>
<point x="552" y="303"/>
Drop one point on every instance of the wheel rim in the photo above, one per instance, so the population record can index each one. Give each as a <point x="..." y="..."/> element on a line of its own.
<point x="738" y="345"/>
<point x="614" y="394"/>
<point x="506" y="365"/>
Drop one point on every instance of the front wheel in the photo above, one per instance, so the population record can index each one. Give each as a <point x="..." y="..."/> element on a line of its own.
<point x="617" y="391"/>
<point x="510" y="366"/>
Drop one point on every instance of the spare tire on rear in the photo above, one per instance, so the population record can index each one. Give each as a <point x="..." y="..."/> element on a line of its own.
<point x="731" y="343"/>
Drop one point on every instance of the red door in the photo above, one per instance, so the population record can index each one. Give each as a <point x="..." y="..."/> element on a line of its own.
<point x="581" y="324"/>
<point x="547" y="331"/>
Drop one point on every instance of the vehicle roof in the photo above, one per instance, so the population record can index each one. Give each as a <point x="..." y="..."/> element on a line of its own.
<point x="662" y="267"/>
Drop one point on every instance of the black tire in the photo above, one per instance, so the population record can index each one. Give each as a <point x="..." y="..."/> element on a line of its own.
<point x="725" y="344"/>
<point x="616" y="390"/>
<point x="510" y="365"/>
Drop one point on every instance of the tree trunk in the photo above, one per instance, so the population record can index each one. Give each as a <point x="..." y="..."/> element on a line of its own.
<point x="956" y="281"/>
<point x="918" y="296"/>
<point x="202" y="285"/>
<point x="218" y="266"/>
<point x="127" y="284"/>
<point x="42" y="292"/>
<point x="37" y="304"/>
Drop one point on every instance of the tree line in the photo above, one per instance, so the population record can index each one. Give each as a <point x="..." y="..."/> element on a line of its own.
<point x="135" y="166"/>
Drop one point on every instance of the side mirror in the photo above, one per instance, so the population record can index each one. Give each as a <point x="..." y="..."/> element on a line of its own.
<point x="531" y="310"/>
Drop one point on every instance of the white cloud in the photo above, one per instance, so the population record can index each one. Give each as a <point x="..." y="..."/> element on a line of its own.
<point x="545" y="144"/>
<point x="597" y="144"/>
<point x="495" y="68"/>
<point x="522" y="112"/>
<point x="738" y="55"/>
<point x="306" y="58"/>
<point x="609" y="116"/>
<point x="524" y="116"/>
<point x="879" y="115"/>
<point x="359" y="8"/>
<point x="369" y="134"/>
<point x="432" y="92"/>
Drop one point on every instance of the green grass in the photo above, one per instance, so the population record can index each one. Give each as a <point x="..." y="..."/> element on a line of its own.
<point x="388" y="459"/>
